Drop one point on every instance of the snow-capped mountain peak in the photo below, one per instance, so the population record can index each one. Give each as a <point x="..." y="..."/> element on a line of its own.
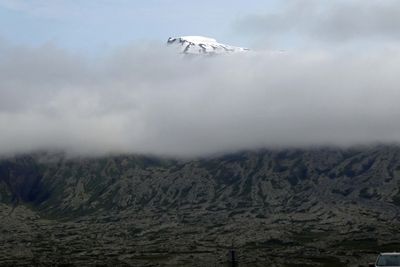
<point x="202" y="45"/>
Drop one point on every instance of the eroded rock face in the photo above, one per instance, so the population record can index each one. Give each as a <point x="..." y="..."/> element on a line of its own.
<point x="21" y="181"/>
<point x="330" y="204"/>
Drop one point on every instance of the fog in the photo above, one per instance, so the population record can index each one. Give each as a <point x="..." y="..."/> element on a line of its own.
<point x="325" y="21"/>
<point x="146" y="98"/>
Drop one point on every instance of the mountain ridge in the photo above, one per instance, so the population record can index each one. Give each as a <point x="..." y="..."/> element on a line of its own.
<point x="202" y="45"/>
<point x="297" y="201"/>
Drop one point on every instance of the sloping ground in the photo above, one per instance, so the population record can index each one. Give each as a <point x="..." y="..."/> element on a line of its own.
<point x="322" y="207"/>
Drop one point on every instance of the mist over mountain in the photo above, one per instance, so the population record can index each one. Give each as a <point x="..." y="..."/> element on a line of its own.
<point x="246" y="133"/>
<point x="144" y="98"/>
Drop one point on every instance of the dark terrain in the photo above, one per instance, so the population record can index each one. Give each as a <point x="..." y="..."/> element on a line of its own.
<point x="314" y="207"/>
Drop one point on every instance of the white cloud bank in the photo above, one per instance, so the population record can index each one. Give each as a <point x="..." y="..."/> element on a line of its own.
<point x="147" y="99"/>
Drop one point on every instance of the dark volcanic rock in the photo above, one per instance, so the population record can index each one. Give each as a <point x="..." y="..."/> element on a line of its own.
<point x="323" y="207"/>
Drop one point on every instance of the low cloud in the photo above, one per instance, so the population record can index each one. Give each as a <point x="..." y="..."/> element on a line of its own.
<point x="148" y="99"/>
<point x="327" y="21"/>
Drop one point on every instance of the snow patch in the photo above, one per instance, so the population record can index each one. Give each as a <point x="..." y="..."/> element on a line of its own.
<point x="202" y="45"/>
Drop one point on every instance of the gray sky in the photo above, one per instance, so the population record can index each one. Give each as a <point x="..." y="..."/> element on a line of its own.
<point x="316" y="23"/>
<point x="335" y="83"/>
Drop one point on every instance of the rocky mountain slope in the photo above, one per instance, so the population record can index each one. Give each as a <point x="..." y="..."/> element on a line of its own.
<point x="316" y="207"/>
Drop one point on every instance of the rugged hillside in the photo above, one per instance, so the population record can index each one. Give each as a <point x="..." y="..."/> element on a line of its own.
<point x="321" y="206"/>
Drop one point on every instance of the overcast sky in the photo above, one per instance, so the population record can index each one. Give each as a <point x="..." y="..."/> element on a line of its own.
<point x="95" y="77"/>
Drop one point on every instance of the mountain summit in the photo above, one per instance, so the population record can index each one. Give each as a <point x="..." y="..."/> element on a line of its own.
<point x="202" y="45"/>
